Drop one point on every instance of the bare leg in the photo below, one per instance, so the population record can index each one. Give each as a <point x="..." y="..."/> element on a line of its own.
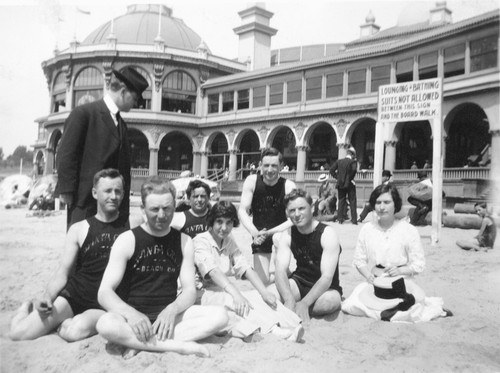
<point x="28" y="324"/>
<point x="261" y="263"/>
<point x="197" y="322"/>
<point x="81" y="326"/>
<point x="469" y="245"/>
<point x="327" y="303"/>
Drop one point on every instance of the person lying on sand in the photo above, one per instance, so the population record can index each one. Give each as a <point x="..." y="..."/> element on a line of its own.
<point x="145" y="263"/>
<point x="313" y="289"/>
<point x="70" y="299"/>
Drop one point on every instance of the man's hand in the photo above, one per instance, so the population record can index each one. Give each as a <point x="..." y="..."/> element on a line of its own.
<point x="394" y="271"/>
<point x="164" y="325"/>
<point x="66" y="198"/>
<point x="141" y="326"/>
<point x="43" y="306"/>
<point x="302" y="310"/>
<point x="241" y="305"/>
<point x="260" y="237"/>
<point x="269" y="298"/>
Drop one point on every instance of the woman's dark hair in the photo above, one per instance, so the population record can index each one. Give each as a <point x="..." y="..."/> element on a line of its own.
<point x="223" y="209"/>
<point x="386" y="188"/>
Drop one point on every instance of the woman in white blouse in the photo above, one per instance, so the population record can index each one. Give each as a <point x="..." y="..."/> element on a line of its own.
<point x="220" y="261"/>
<point x="388" y="246"/>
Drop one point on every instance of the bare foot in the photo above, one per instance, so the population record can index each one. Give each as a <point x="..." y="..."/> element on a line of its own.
<point x="193" y="348"/>
<point x="297" y="334"/>
<point x="130" y="353"/>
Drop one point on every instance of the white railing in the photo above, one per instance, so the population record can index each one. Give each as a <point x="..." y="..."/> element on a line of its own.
<point x="459" y="173"/>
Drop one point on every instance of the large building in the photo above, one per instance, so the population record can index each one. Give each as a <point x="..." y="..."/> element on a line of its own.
<point x="212" y="115"/>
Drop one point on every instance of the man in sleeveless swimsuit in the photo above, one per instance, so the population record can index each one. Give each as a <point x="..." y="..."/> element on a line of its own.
<point x="145" y="264"/>
<point x="70" y="299"/>
<point x="262" y="197"/>
<point x="313" y="289"/>
<point x="194" y="220"/>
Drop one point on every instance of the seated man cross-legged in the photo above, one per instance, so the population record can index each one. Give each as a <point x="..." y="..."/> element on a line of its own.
<point x="70" y="300"/>
<point x="313" y="289"/>
<point x="139" y="286"/>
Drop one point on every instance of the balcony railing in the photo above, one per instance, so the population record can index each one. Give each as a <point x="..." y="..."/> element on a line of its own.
<point x="458" y="173"/>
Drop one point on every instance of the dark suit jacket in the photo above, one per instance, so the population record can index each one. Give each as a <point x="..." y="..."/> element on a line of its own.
<point x="344" y="170"/>
<point x="90" y="143"/>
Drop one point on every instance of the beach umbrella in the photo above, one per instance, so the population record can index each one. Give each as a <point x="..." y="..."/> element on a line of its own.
<point x="41" y="186"/>
<point x="13" y="187"/>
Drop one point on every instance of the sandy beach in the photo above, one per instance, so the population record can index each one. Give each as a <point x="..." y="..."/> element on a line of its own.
<point x="30" y="249"/>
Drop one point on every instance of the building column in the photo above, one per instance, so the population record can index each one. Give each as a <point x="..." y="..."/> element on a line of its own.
<point x="204" y="164"/>
<point x="196" y="163"/>
<point x="343" y="146"/>
<point x="495" y="169"/>
<point x="390" y="155"/>
<point x="301" y="163"/>
<point x="153" y="161"/>
<point x="233" y="164"/>
<point x="49" y="161"/>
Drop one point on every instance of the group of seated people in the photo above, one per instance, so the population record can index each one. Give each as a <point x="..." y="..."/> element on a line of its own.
<point x="171" y="281"/>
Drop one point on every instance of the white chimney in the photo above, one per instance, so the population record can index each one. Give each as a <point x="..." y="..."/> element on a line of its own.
<point x="255" y="36"/>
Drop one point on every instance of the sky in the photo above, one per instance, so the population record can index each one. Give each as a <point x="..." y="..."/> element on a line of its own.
<point x="30" y="30"/>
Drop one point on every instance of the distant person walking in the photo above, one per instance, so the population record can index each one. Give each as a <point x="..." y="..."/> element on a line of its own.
<point x="95" y="138"/>
<point x="344" y="170"/>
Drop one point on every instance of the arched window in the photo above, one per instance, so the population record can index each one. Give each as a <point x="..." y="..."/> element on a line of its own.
<point x="59" y="94"/>
<point x="179" y="93"/>
<point x="88" y="86"/>
<point x="146" y="95"/>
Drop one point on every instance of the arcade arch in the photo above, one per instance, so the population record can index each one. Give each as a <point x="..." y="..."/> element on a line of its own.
<point x="323" y="150"/>
<point x="249" y="149"/>
<point x="179" y="93"/>
<point x="284" y="140"/>
<point x="414" y="144"/>
<point x="218" y="157"/>
<point x="362" y="139"/>
<point x="176" y="152"/>
<point x="468" y="139"/>
<point x="139" y="149"/>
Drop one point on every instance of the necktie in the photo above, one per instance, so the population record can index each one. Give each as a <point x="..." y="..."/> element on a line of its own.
<point x="119" y="120"/>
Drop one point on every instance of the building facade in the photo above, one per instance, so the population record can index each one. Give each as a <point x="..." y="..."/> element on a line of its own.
<point x="213" y="115"/>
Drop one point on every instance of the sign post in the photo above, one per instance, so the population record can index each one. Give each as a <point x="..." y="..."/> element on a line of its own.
<point x="416" y="101"/>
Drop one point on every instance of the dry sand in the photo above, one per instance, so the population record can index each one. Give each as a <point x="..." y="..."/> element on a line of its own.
<point x="469" y="283"/>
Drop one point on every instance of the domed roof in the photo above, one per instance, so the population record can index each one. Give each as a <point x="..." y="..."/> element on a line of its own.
<point x="140" y="26"/>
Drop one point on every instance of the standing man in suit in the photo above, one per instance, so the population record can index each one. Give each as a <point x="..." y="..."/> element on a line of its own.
<point x="95" y="138"/>
<point x="344" y="170"/>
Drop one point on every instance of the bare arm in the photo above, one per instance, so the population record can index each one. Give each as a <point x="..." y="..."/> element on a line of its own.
<point x="178" y="221"/>
<point x="257" y="283"/>
<point x="66" y="267"/>
<point x="289" y="186"/>
<point x="246" y="204"/>
<point x="283" y="257"/>
<point x="241" y="305"/>
<point x="121" y="252"/>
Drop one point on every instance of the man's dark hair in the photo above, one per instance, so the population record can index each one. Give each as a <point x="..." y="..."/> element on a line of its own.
<point x="273" y="152"/>
<point x="297" y="193"/>
<point x="223" y="209"/>
<point x="111" y="173"/>
<point x="195" y="184"/>
<point x="157" y="185"/>
<point x="386" y="188"/>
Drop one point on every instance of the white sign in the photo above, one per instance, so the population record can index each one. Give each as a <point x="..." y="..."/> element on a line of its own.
<point x="411" y="101"/>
